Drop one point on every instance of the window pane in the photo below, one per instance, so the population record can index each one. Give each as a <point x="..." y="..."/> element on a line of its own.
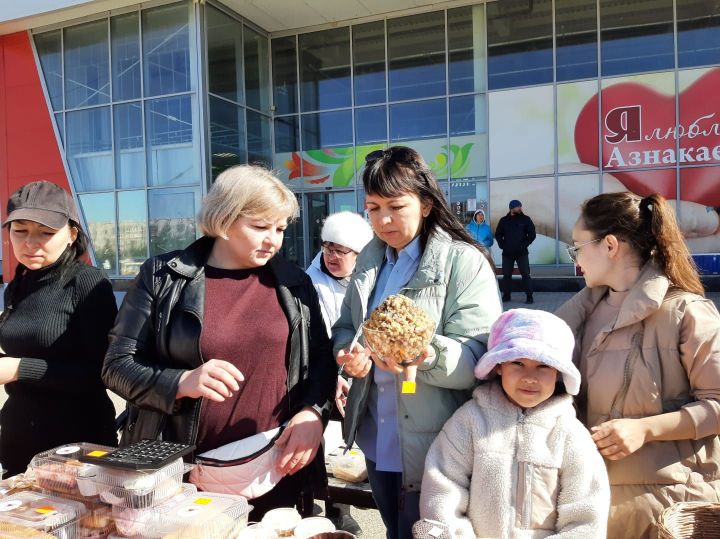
<point x="519" y="43"/>
<point x="466" y="54"/>
<point x="284" y="75"/>
<point x="416" y="54"/>
<point x="467" y="196"/>
<point x="89" y="149"/>
<point x="168" y="124"/>
<point x="227" y="137"/>
<point x="224" y="52"/>
<point x="325" y="69"/>
<point x="166" y="50"/>
<point x="636" y="36"/>
<point x="327" y="130"/>
<point x="287" y="134"/>
<point x="172" y="218"/>
<point x="49" y="49"/>
<point x="99" y="211"/>
<point x="124" y="30"/>
<point x="468" y="136"/>
<point x="60" y="122"/>
<point x="257" y="70"/>
<point x="369" y="62"/>
<point x="370" y="125"/>
<point x="132" y="208"/>
<point x="87" y="77"/>
<point x="698" y="32"/>
<point x="467" y="115"/>
<point x="576" y="39"/>
<point x="129" y="146"/>
<point x="258" y="135"/>
<point x="423" y="119"/>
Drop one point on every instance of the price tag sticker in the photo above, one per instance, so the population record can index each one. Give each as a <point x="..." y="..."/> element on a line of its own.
<point x="97" y="453"/>
<point x="203" y="501"/>
<point x="408" y="387"/>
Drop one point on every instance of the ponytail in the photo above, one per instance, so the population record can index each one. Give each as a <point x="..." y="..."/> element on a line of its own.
<point x="669" y="250"/>
<point x="649" y="226"/>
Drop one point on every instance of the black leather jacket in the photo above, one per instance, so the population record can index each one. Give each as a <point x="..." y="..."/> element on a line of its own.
<point x="157" y="337"/>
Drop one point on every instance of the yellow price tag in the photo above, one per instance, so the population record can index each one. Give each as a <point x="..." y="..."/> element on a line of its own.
<point x="408" y="387"/>
<point x="97" y="453"/>
<point x="45" y="510"/>
<point x="203" y="501"/>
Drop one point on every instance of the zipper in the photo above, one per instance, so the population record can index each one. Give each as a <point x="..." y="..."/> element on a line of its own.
<point x="524" y="480"/>
<point x="619" y="401"/>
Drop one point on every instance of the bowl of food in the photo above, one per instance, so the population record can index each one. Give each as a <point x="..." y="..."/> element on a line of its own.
<point x="398" y="329"/>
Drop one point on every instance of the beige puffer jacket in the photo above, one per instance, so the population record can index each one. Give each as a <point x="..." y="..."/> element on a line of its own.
<point x="661" y="354"/>
<point x="496" y="471"/>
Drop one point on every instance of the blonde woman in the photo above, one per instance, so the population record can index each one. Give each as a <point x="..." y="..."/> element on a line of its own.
<point x="224" y="339"/>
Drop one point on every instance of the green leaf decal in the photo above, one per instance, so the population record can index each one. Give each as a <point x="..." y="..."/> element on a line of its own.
<point x="460" y="161"/>
<point x="323" y="157"/>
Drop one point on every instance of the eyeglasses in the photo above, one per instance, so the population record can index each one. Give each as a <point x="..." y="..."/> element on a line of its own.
<point x="334" y="251"/>
<point x="573" y="251"/>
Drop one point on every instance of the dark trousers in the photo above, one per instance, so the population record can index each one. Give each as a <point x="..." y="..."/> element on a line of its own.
<point x="285" y="494"/>
<point x="398" y="510"/>
<point x="523" y="263"/>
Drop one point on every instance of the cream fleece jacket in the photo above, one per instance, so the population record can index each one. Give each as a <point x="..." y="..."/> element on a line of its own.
<point x="496" y="471"/>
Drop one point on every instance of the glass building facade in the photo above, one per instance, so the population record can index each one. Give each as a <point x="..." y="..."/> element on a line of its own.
<point x="550" y="101"/>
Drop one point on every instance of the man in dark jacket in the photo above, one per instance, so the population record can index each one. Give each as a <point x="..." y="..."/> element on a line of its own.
<point x="514" y="234"/>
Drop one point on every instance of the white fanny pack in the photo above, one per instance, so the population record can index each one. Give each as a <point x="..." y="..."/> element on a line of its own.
<point x="245" y="467"/>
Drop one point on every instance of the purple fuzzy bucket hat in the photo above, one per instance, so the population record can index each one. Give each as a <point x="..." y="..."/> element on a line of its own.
<point x="531" y="334"/>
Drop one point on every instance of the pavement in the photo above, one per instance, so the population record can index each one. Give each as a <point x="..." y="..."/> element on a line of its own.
<point x="369" y="519"/>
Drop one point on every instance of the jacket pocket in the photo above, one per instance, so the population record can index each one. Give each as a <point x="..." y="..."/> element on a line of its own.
<point x="537" y="491"/>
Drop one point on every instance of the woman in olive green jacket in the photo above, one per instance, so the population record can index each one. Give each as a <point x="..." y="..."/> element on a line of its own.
<point x="423" y="252"/>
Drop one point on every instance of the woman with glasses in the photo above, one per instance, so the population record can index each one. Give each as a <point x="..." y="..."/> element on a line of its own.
<point x="648" y="348"/>
<point x="422" y="251"/>
<point x="344" y="234"/>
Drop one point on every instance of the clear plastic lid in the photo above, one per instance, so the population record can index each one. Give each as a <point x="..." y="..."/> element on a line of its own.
<point x="133" y="488"/>
<point x="58" y="469"/>
<point x="97" y="523"/>
<point x="40" y="512"/>
<point x="133" y="522"/>
<point x="205" y="515"/>
<point x="283" y="520"/>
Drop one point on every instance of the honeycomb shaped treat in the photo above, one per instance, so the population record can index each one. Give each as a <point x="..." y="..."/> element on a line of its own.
<point x="398" y="329"/>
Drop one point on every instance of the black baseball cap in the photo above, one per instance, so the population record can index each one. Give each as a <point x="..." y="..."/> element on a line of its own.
<point x="42" y="202"/>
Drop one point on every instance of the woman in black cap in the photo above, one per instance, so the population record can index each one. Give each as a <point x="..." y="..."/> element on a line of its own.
<point x="53" y="332"/>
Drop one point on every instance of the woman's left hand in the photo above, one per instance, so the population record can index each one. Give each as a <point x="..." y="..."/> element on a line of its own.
<point x="391" y="365"/>
<point x="618" y="438"/>
<point x="9" y="369"/>
<point x="299" y="441"/>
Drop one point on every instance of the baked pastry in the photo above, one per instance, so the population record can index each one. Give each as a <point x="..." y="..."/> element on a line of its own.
<point x="10" y="530"/>
<point x="398" y="329"/>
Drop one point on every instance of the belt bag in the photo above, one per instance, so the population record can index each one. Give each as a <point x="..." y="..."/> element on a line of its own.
<point x="245" y="467"/>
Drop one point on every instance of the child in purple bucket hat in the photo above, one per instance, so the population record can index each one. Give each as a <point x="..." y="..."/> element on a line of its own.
<point x="514" y="461"/>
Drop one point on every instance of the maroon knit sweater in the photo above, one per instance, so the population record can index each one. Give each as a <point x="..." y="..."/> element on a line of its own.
<point x="244" y="324"/>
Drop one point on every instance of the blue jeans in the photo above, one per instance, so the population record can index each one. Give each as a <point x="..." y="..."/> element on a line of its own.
<point x="399" y="510"/>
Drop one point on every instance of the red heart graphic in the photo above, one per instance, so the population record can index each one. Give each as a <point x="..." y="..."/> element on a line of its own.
<point x="657" y="130"/>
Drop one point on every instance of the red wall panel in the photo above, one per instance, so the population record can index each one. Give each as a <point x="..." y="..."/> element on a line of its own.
<point x="28" y="147"/>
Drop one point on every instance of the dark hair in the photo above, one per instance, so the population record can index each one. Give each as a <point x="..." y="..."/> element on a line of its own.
<point x="649" y="226"/>
<point x="400" y="170"/>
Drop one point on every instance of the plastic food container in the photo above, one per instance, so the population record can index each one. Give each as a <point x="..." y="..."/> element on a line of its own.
<point x="205" y="515"/>
<point x="309" y="527"/>
<point x="283" y="520"/>
<point x="98" y="523"/>
<point x="30" y="514"/>
<point x="59" y="470"/>
<point x="136" y="489"/>
<point x="133" y="522"/>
